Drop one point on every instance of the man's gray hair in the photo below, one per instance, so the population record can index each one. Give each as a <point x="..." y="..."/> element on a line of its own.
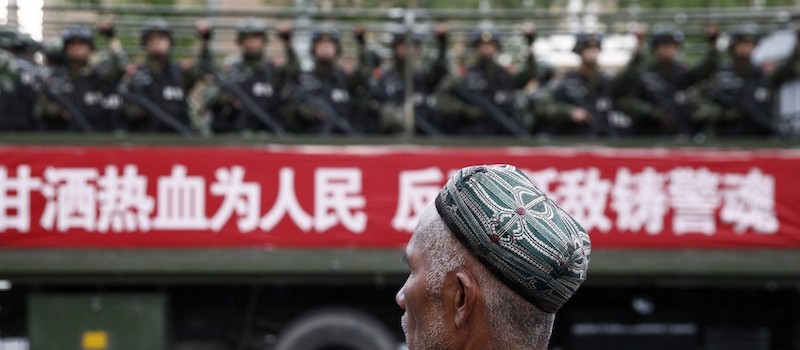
<point x="517" y="323"/>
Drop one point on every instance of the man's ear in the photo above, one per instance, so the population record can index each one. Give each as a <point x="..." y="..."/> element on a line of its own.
<point x="466" y="297"/>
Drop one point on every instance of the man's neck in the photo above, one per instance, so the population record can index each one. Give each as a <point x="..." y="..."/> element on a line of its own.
<point x="588" y="69"/>
<point x="158" y="61"/>
<point x="252" y="58"/>
<point x="482" y="338"/>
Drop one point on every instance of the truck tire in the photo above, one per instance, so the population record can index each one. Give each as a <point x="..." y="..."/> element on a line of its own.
<point x="336" y="329"/>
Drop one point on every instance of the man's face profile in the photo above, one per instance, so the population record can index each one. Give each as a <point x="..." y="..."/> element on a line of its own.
<point x="423" y="322"/>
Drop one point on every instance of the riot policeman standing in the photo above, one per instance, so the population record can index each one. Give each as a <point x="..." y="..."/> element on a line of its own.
<point x="663" y="99"/>
<point x="740" y="90"/>
<point x="482" y="101"/>
<point x="246" y="96"/>
<point x="391" y="89"/>
<point x="581" y="103"/>
<point x="81" y="96"/>
<point x="17" y="94"/>
<point x="156" y="96"/>
<point x="328" y="99"/>
<point x="786" y="82"/>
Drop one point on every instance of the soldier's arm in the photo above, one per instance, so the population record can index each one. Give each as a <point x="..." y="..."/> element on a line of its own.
<point x="8" y="67"/>
<point x="790" y="68"/>
<point x="129" y="85"/>
<point x="204" y="64"/>
<point x="710" y="62"/>
<point x="549" y="109"/>
<point x="361" y="78"/>
<point x="707" y="110"/>
<point x="529" y="69"/>
<point x="291" y="68"/>
<point x="47" y="109"/>
<point x="112" y="67"/>
<point x="215" y="97"/>
<point x="448" y="105"/>
<point x="621" y="83"/>
<point x="439" y="69"/>
<point x="636" y="107"/>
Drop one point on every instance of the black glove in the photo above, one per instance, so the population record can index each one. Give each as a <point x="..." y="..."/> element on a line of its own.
<point x="358" y="33"/>
<point x="205" y="35"/>
<point x="107" y="30"/>
<point x="285" y="34"/>
<point x="530" y="36"/>
<point x="712" y="33"/>
<point x="441" y="38"/>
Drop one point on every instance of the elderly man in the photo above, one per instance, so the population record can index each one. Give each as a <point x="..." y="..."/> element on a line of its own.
<point x="491" y="262"/>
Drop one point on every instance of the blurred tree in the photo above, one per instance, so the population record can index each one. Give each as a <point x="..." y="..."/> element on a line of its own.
<point x="98" y="2"/>
<point x="85" y="2"/>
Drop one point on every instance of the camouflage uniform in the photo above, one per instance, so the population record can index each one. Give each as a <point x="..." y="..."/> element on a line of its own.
<point x="18" y="88"/>
<point x="391" y="92"/>
<point x="163" y="86"/>
<point x="785" y="81"/>
<point x="661" y="97"/>
<point x="251" y="75"/>
<point x="483" y="101"/>
<point x="585" y="90"/>
<point x="327" y="99"/>
<point x="740" y="93"/>
<point x="82" y="96"/>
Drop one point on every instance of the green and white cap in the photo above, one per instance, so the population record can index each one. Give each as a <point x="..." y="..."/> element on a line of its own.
<point x="524" y="238"/>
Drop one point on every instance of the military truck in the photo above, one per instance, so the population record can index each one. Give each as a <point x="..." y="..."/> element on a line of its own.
<point x="224" y="243"/>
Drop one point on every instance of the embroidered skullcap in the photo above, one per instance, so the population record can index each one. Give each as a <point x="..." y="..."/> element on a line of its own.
<point x="525" y="239"/>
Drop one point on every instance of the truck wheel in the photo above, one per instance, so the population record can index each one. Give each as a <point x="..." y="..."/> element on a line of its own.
<point x="336" y="329"/>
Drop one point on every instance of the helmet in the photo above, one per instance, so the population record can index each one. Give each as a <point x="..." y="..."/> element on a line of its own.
<point x="28" y="44"/>
<point x="156" y="25"/>
<point x="77" y="34"/>
<point x="484" y="36"/>
<point x="250" y="26"/>
<point x="665" y="33"/>
<point x="9" y="37"/>
<point x="399" y="36"/>
<point x="745" y="32"/>
<point x="54" y="51"/>
<point x="326" y="34"/>
<point x="585" y="40"/>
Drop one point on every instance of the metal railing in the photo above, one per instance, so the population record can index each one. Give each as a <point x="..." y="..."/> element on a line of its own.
<point x="380" y="23"/>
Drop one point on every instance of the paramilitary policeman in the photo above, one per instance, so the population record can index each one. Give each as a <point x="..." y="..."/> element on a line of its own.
<point x="785" y="81"/>
<point x="663" y="98"/>
<point x="741" y="90"/>
<point x="156" y="96"/>
<point x="79" y="95"/>
<point x="246" y="97"/>
<point x="327" y="99"/>
<point x="391" y="86"/>
<point x="581" y="102"/>
<point x="16" y="98"/>
<point x="482" y="101"/>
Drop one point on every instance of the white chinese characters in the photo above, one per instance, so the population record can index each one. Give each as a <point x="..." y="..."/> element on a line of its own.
<point x="697" y="199"/>
<point x="418" y="189"/>
<point x="123" y="201"/>
<point x="639" y="201"/>
<point x="86" y="199"/>
<point x="15" y="198"/>
<point x="120" y="198"/>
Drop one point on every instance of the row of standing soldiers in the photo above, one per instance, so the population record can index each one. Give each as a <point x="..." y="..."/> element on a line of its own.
<point x="657" y="96"/>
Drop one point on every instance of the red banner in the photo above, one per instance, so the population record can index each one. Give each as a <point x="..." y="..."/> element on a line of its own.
<point x="359" y="196"/>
